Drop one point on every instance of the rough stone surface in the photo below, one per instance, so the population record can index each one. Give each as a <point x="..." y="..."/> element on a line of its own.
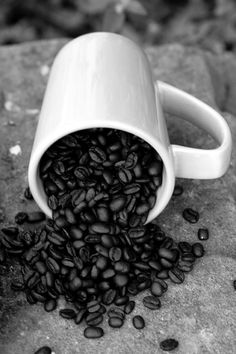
<point x="201" y="312"/>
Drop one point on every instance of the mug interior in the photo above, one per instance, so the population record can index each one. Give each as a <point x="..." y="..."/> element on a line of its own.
<point x="163" y="193"/>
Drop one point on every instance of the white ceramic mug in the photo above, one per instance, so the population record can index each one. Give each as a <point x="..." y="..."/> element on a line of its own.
<point x="105" y="80"/>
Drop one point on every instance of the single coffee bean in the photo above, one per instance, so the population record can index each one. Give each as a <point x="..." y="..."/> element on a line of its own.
<point x="97" y="154"/>
<point x="76" y="233"/>
<point x="185" y="247"/>
<point x="120" y="280"/>
<point x="138" y="322"/>
<point x="101" y="263"/>
<point x="53" y="202"/>
<point x="142" y="208"/>
<point x="156" y="289"/>
<point x="36" y="216"/>
<point x="163" y="274"/>
<point x="109" y="296"/>
<point x="115" y="322"/>
<point x="67" y="313"/>
<point x="120" y="301"/>
<point x="129" y="307"/>
<point x="100" y="228"/>
<point x="190" y="215"/>
<point x="169" y="344"/>
<point x="198" y="250"/>
<point x="115" y="254"/>
<point x="152" y="302"/>
<point x="108" y="273"/>
<point x="44" y="350"/>
<point x="80" y="316"/>
<point x="52" y="265"/>
<point x="155" y="168"/>
<point x="107" y="241"/>
<point x="50" y="305"/>
<point x="203" y="234"/>
<point x="21" y="217"/>
<point x="176" y="275"/>
<point x="93" y="332"/>
<point x="122" y="267"/>
<point x="94" y="319"/>
<point x="40" y="267"/>
<point x="178" y="190"/>
<point x="117" y="204"/>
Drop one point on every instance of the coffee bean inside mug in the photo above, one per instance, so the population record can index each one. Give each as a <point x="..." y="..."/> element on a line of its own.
<point x="104" y="179"/>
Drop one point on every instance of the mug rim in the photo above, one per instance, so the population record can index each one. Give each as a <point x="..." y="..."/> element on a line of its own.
<point x="164" y="192"/>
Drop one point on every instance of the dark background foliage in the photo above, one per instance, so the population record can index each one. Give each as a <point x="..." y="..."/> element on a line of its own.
<point x="210" y="24"/>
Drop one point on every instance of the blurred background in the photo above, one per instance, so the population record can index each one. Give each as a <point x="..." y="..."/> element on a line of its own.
<point x="209" y="24"/>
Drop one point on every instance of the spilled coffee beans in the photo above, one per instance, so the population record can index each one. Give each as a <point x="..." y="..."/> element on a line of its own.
<point x="96" y="251"/>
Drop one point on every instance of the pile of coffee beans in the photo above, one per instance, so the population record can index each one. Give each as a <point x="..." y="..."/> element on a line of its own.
<point x="101" y="178"/>
<point x="96" y="251"/>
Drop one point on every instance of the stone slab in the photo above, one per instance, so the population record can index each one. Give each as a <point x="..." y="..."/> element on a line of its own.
<point x="201" y="312"/>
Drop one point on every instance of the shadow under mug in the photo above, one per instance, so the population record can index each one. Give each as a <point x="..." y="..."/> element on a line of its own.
<point x="104" y="80"/>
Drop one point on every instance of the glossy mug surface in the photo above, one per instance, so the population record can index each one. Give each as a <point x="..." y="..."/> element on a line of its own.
<point x="105" y="80"/>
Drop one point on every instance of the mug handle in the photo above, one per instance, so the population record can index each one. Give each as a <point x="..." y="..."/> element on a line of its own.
<point x="191" y="162"/>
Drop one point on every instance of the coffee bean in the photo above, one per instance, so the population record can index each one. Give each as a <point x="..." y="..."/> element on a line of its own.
<point x="108" y="273"/>
<point x="138" y="322"/>
<point x="185" y="247"/>
<point x="53" y="202"/>
<point x="115" y="322"/>
<point x="176" y="275"/>
<point x="167" y="254"/>
<point x="104" y="285"/>
<point x="156" y="289"/>
<point x="52" y="265"/>
<point x="21" y="217"/>
<point x="93" y="332"/>
<point x="120" y="301"/>
<point x="40" y="267"/>
<point x="203" y="234"/>
<point x="115" y="254"/>
<point x="188" y="257"/>
<point x="94" y="319"/>
<point x="117" y="204"/>
<point x="198" y="250"/>
<point x="101" y="263"/>
<point x="67" y="313"/>
<point x="178" y="190"/>
<point x="169" y="344"/>
<point x="190" y="215"/>
<point x="109" y="296"/>
<point x="121" y="280"/>
<point x="142" y="208"/>
<point x="163" y="274"/>
<point x="44" y="350"/>
<point x="97" y="154"/>
<point x="122" y="267"/>
<point x="36" y="216"/>
<point x="129" y="307"/>
<point x="100" y="228"/>
<point x="155" y="168"/>
<point x="50" y="305"/>
<point x="80" y="316"/>
<point x="152" y="302"/>
<point x="76" y="233"/>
